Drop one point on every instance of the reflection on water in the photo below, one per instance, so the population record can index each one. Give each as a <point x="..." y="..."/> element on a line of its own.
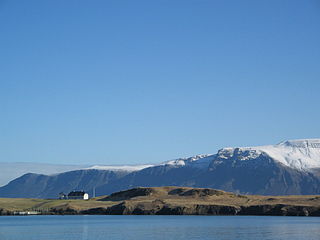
<point x="85" y="231"/>
<point x="159" y="227"/>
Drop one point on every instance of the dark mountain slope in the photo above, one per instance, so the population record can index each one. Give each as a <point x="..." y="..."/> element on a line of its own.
<point x="43" y="186"/>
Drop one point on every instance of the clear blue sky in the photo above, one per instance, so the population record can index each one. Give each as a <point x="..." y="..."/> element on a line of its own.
<point x="115" y="82"/>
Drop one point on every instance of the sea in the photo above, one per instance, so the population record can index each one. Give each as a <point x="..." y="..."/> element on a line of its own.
<point x="96" y="227"/>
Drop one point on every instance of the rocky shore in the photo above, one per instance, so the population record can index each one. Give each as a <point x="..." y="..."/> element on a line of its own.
<point x="262" y="210"/>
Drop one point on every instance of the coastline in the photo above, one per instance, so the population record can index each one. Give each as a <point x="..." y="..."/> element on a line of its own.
<point x="168" y="201"/>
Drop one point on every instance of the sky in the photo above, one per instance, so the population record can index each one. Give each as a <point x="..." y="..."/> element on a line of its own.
<point x="131" y="82"/>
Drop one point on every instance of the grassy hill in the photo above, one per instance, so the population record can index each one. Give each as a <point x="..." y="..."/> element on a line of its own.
<point x="170" y="200"/>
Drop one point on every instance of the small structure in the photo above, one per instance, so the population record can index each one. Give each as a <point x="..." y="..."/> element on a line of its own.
<point x="78" y="195"/>
<point x="62" y="196"/>
<point x="27" y="213"/>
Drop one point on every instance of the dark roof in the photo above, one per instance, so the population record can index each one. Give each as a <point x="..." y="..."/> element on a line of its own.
<point x="76" y="194"/>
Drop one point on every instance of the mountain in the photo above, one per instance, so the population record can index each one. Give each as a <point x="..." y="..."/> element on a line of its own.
<point x="33" y="185"/>
<point x="10" y="171"/>
<point x="297" y="154"/>
<point x="288" y="168"/>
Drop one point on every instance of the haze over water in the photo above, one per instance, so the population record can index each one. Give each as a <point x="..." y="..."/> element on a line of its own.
<point x="159" y="227"/>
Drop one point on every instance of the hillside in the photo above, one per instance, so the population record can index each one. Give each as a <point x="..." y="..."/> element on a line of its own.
<point x="171" y="201"/>
<point x="10" y="171"/>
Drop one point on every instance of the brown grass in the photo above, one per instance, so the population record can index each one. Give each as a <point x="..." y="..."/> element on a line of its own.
<point x="180" y="196"/>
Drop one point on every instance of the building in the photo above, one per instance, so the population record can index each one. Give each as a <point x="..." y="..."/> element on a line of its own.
<point x="62" y="196"/>
<point x="78" y="195"/>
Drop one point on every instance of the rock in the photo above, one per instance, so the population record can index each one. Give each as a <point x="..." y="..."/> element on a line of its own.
<point x="95" y="211"/>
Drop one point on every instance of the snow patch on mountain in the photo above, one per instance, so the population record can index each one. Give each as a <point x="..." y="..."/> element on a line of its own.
<point x="125" y="168"/>
<point x="302" y="154"/>
<point x="198" y="161"/>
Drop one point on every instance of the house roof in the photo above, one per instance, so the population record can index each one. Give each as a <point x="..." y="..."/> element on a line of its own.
<point x="76" y="194"/>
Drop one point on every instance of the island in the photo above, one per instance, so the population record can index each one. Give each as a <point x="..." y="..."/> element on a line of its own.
<point x="169" y="200"/>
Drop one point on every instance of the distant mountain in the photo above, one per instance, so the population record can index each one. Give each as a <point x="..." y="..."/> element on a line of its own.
<point x="33" y="185"/>
<point x="290" y="167"/>
<point x="10" y="171"/>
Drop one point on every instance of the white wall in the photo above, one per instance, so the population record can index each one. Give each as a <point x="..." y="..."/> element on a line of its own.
<point x="86" y="196"/>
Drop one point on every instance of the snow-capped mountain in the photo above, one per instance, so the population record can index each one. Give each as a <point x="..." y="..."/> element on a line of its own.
<point x="301" y="154"/>
<point x="198" y="161"/>
<point x="290" y="167"/>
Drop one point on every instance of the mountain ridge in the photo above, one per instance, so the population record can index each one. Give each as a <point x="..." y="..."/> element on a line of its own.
<point x="290" y="167"/>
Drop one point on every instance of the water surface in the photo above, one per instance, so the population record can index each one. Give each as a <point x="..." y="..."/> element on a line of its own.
<point x="158" y="227"/>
